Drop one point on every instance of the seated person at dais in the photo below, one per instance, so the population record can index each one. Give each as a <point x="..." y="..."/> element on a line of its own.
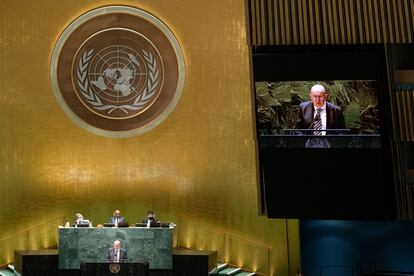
<point x="80" y="221"/>
<point x="151" y="219"/>
<point x="116" y="253"/>
<point x="117" y="218"/>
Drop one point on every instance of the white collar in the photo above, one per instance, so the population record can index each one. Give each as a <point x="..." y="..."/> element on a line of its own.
<point x="323" y="107"/>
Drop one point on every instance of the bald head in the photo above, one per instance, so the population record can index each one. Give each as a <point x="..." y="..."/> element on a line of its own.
<point x="318" y="95"/>
<point x="318" y="88"/>
<point x="117" y="244"/>
<point x="117" y="213"/>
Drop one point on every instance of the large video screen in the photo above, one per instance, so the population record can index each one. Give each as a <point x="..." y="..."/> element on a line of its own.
<point x="320" y="113"/>
<point x="323" y="128"/>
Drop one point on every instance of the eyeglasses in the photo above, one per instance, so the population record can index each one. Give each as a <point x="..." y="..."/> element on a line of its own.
<point x="318" y="97"/>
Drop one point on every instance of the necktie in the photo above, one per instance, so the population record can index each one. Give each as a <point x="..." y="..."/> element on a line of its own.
<point x="317" y="122"/>
<point x="117" y="256"/>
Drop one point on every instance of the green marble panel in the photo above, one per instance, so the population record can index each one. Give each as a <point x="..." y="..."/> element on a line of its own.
<point x="77" y="245"/>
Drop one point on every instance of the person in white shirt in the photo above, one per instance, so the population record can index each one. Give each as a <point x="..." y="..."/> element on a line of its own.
<point x="151" y="218"/>
<point x="116" y="253"/>
<point x="318" y="114"/>
<point x="79" y="220"/>
<point x="116" y="218"/>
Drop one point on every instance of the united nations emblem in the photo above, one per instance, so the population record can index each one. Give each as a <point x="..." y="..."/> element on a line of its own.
<point x="317" y="143"/>
<point x="117" y="71"/>
<point x="114" y="268"/>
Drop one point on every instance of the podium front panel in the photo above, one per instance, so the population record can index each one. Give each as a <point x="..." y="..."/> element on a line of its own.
<point x="154" y="245"/>
<point x="111" y="269"/>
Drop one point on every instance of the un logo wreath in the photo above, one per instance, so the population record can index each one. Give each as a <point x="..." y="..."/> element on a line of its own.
<point x="117" y="71"/>
<point x="94" y="99"/>
<point x="114" y="268"/>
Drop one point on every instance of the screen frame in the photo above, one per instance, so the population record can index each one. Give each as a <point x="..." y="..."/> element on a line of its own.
<point x="340" y="62"/>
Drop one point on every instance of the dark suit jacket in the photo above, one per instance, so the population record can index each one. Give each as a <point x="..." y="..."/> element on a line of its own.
<point x="120" y="219"/>
<point x="146" y="220"/>
<point x="153" y="223"/>
<point x="334" y="117"/>
<point x="122" y="255"/>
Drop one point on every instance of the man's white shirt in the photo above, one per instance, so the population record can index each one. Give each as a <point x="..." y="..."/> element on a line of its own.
<point x="323" y="116"/>
<point x="117" y="255"/>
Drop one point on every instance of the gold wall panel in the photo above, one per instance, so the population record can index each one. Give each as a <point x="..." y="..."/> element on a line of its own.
<point x="197" y="169"/>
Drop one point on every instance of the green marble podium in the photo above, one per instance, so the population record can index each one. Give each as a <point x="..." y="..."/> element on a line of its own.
<point x="77" y="245"/>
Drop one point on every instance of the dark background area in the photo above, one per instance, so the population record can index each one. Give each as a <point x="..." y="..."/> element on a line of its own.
<point x="326" y="183"/>
<point x="335" y="247"/>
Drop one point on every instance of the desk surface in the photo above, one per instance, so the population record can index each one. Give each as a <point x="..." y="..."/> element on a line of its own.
<point x="130" y="227"/>
<point x="37" y="252"/>
<point x="77" y="245"/>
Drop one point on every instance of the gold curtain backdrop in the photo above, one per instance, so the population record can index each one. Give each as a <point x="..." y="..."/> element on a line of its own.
<point x="197" y="169"/>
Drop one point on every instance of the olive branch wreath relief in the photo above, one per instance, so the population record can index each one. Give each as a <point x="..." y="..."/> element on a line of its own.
<point x="95" y="101"/>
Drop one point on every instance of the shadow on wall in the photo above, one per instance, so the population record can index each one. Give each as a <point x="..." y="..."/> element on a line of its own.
<point x="358" y="246"/>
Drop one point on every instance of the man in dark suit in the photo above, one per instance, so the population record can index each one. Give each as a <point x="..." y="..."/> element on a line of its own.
<point x="117" y="254"/>
<point x="116" y="218"/>
<point x="151" y="219"/>
<point x="318" y="114"/>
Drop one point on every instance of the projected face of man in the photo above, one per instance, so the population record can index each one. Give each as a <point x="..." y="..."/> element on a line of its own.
<point x="318" y="95"/>
<point x="117" y="213"/>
